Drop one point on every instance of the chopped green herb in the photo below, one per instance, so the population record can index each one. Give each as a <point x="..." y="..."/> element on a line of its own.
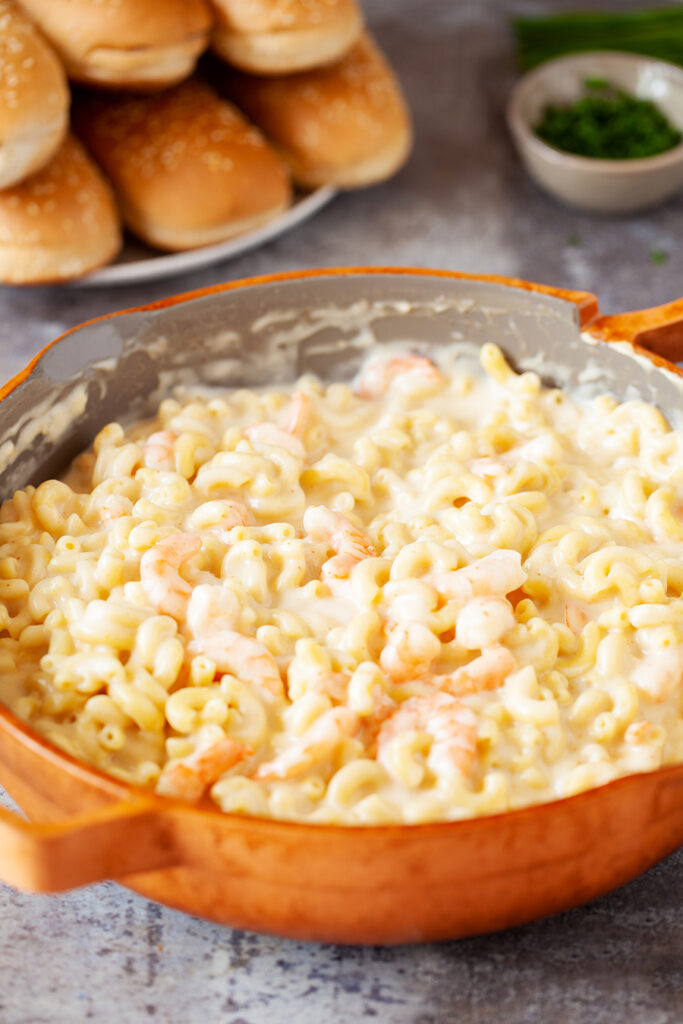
<point x="608" y="124"/>
<point x="574" y="238"/>
<point x="658" y="256"/>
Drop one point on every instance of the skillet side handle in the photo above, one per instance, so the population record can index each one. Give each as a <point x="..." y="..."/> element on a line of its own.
<point x="659" y="330"/>
<point x="123" y="839"/>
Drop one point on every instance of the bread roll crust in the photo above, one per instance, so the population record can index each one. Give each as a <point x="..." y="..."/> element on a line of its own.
<point x="34" y="98"/>
<point x="60" y="223"/>
<point x="188" y="169"/>
<point x="345" y="125"/>
<point x="144" y="44"/>
<point x="273" y="37"/>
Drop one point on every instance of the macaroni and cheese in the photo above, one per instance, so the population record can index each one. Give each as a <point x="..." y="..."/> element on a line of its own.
<point x="426" y="597"/>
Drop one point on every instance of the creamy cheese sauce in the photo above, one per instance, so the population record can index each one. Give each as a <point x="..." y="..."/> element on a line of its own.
<point x="440" y="593"/>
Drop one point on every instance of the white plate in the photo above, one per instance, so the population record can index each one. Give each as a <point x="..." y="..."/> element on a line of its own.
<point x="137" y="263"/>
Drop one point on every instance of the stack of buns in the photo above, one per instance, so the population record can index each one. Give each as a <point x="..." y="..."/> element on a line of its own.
<point x="297" y="93"/>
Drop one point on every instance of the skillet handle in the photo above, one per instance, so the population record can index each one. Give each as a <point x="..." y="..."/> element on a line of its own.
<point x="659" y="330"/>
<point x="122" y="839"/>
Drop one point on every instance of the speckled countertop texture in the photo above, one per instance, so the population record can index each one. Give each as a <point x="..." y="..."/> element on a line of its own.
<point x="464" y="203"/>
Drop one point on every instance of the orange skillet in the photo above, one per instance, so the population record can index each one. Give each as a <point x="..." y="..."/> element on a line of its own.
<point x="356" y="884"/>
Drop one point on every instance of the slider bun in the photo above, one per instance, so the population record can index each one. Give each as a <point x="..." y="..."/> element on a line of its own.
<point x="345" y="125"/>
<point x="280" y="36"/>
<point x="142" y="44"/>
<point x="188" y="169"/>
<point x="34" y="98"/>
<point x="60" y="223"/>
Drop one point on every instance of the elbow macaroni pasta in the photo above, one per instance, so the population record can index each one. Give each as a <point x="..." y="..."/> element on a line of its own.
<point x="430" y="597"/>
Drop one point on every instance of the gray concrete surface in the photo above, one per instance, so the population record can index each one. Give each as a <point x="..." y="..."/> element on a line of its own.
<point x="464" y="203"/>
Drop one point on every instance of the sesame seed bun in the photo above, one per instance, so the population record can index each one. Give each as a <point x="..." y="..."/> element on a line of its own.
<point x="187" y="168"/>
<point x="345" y="125"/>
<point x="34" y="98"/>
<point x="277" y="37"/>
<point x="60" y="223"/>
<point x="140" y="44"/>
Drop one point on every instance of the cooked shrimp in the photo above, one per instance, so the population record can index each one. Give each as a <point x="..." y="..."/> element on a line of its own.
<point x="241" y="656"/>
<point x="483" y="621"/>
<point x="318" y="742"/>
<point x="350" y="545"/>
<point x="640" y="732"/>
<point x="232" y="514"/>
<point x="114" y="506"/>
<point x="384" y="707"/>
<point x="377" y="377"/>
<point x="410" y="649"/>
<point x="220" y="517"/>
<point x="496" y="574"/>
<point x="270" y="435"/>
<point x="211" y="609"/>
<point x="487" y="672"/>
<point x="298" y="414"/>
<point x="161" y="581"/>
<point x="188" y="778"/>
<point x="288" y="435"/>
<point x="157" y="451"/>
<point x="452" y="726"/>
<point x="334" y="685"/>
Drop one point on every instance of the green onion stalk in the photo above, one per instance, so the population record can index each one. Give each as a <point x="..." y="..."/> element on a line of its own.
<point x="654" y="33"/>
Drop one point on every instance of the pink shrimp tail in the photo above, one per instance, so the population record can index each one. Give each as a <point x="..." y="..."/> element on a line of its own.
<point x="319" y="741"/>
<point x="158" y="449"/>
<point x="487" y="672"/>
<point x="341" y="536"/>
<point x="377" y="377"/>
<point x="452" y="726"/>
<point x="496" y="574"/>
<point x="241" y="656"/>
<point x="159" y="566"/>
<point x="188" y="779"/>
<point x="236" y="514"/>
<point x="298" y="414"/>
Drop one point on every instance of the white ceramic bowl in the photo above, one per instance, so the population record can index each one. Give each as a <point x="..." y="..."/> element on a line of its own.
<point x="604" y="186"/>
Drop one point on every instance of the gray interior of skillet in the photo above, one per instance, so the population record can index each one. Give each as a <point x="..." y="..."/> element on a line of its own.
<point x="271" y="333"/>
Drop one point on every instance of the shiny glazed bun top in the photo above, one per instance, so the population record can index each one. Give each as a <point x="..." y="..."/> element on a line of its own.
<point x="188" y="168"/>
<point x="125" y="43"/>
<point x="346" y="124"/>
<point x="271" y="37"/>
<point x="34" y="97"/>
<point x="60" y="223"/>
